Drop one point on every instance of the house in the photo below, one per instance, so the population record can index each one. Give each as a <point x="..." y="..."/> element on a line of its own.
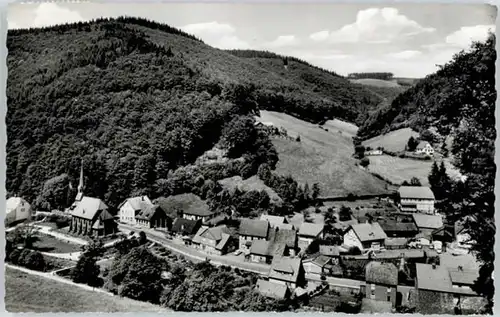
<point x="276" y="221"/>
<point x="280" y="243"/>
<point x="18" y="210"/>
<point x="381" y="282"/>
<point x="272" y="290"/>
<point x="251" y="230"/>
<point x="424" y="148"/>
<point x="416" y="199"/>
<point x="131" y="207"/>
<point x="185" y="228"/>
<point x="374" y="152"/>
<point x="365" y="236"/>
<point x="398" y="229"/>
<point x="205" y="215"/>
<point x="396" y="243"/>
<point x="287" y="271"/>
<point x="216" y="240"/>
<point x="427" y="224"/>
<point x="316" y="265"/>
<point x="153" y="216"/>
<point x="90" y="216"/>
<point x="443" y="290"/>
<point x="331" y="251"/>
<point x="308" y="232"/>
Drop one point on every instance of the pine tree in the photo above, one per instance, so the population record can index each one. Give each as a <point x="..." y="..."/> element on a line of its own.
<point x="434" y="176"/>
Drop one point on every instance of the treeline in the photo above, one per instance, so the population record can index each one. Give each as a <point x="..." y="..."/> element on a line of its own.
<point x="382" y="75"/>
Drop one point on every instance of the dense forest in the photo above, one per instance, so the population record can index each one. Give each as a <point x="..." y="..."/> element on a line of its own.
<point x="382" y="75"/>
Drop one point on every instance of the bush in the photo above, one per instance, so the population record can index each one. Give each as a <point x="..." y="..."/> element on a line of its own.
<point x="323" y="277"/>
<point x="35" y="261"/>
<point x="14" y="256"/>
<point x="365" y="162"/>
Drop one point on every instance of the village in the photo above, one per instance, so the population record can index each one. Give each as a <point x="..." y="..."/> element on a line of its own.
<point x="386" y="252"/>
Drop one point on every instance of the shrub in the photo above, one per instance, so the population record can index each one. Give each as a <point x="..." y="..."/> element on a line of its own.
<point x="35" y="261"/>
<point x="365" y="162"/>
<point x="14" y="256"/>
<point x="323" y="277"/>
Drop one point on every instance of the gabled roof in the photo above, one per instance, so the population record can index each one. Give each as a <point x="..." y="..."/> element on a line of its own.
<point x="285" y="269"/>
<point x="185" y="226"/>
<point x="13" y="202"/>
<point x="394" y="226"/>
<point x="254" y="228"/>
<point x="137" y="203"/>
<point x="463" y="276"/>
<point x="428" y="221"/>
<point x="466" y="261"/>
<point x="422" y="144"/>
<point x="369" y="232"/>
<point x="287" y="237"/>
<point x="273" y="220"/>
<point x="217" y="234"/>
<point x="381" y="273"/>
<point x="329" y="250"/>
<point x="261" y="247"/>
<point x="310" y="229"/>
<point x="149" y="212"/>
<point x="88" y="208"/>
<point x="431" y="278"/>
<point x="270" y="289"/>
<point x="415" y="192"/>
<point x="320" y="260"/>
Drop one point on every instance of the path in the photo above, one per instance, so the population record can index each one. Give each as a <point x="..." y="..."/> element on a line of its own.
<point x="195" y="256"/>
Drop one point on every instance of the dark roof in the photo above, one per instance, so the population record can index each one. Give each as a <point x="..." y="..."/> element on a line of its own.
<point x="286" y="236"/>
<point x="393" y="225"/>
<point x="149" y="212"/>
<point x="261" y="247"/>
<point x="381" y="273"/>
<point x="254" y="228"/>
<point x="329" y="250"/>
<point x="416" y="192"/>
<point x="310" y="229"/>
<point x="185" y="226"/>
<point x="88" y="208"/>
<point x="369" y="231"/>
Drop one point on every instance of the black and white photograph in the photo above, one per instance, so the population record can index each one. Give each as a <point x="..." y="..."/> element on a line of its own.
<point x="250" y="157"/>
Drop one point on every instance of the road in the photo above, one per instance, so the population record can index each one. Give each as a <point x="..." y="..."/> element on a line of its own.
<point x="196" y="256"/>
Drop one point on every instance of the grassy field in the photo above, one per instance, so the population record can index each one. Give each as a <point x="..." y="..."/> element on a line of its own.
<point x="322" y="156"/>
<point x="393" y="141"/>
<point x="30" y="293"/>
<point x="361" y="207"/>
<point x="398" y="170"/>
<point x="50" y="244"/>
<point x="345" y="128"/>
<point x="375" y="82"/>
<point x="252" y="183"/>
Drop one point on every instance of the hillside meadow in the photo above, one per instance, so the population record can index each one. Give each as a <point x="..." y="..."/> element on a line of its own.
<point x="394" y="141"/>
<point x="321" y="156"/>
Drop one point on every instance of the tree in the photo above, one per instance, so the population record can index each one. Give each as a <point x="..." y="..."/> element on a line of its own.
<point x="412" y="144"/>
<point x="25" y="235"/>
<point x="86" y="270"/>
<point x="315" y="191"/>
<point x="364" y="162"/>
<point x="143" y="239"/>
<point x="415" y="182"/>
<point x="434" y="176"/>
<point x="344" y="213"/>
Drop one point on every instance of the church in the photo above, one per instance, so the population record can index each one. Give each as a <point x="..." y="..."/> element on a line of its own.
<point x="89" y="215"/>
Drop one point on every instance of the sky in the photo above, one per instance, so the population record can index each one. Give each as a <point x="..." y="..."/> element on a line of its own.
<point x="409" y="40"/>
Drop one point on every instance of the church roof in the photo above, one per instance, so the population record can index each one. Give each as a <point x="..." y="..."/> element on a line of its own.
<point x="88" y="208"/>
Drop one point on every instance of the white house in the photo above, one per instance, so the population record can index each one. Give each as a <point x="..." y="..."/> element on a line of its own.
<point x="416" y="199"/>
<point x="365" y="236"/>
<point x="131" y="207"/>
<point x="424" y="147"/>
<point x="374" y="152"/>
<point x="18" y="210"/>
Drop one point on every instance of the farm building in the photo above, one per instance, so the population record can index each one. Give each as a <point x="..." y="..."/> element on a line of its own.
<point x="185" y="228"/>
<point x="131" y="207"/>
<point x="416" y="199"/>
<point x="317" y="265"/>
<point x="280" y="243"/>
<point x="397" y="229"/>
<point x="276" y="221"/>
<point x="287" y="271"/>
<point x="272" y="290"/>
<point x="374" y="152"/>
<point x="251" y="230"/>
<point x="308" y="232"/>
<point x="365" y="236"/>
<point x="425" y="148"/>
<point x="18" y="210"/>
<point x="153" y="216"/>
<point x="427" y="224"/>
<point x="217" y="240"/>
<point x="381" y="282"/>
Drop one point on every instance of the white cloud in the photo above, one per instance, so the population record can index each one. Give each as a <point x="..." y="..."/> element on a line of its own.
<point x="409" y="54"/>
<point x="374" y="25"/>
<point x="468" y="34"/>
<point x="12" y="25"/>
<point x="49" y="13"/>
<point x="284" y="41"/>
<point x="217" y="34"/>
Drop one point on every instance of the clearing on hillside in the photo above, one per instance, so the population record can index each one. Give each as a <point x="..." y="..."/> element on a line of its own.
<point x="30" y="293"/>
<point x="393" y="141"/>
<point x="321" y="156"/>
<point x="252" y="183"/>
<point x="375" y="82"/>
<point x="346" y="128"/>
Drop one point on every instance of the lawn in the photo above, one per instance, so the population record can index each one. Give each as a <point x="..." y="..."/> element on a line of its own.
<point x="50" y="244"/>
<point x="375" y="82"/>
<point x="393" y="141"/>
<point x="30" y="293"/>
<point x="397" y="170"/>
<point x="361" y="207"/>
<point x="252" y="183"/>
<point x="321" y="156"/>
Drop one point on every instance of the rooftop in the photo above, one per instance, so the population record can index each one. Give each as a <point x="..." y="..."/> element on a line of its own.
<point x="381" y="273"/>
<point x="13" y="202"/>
<point x="433" y="278"/>
<point x="415" y="192"/>
<point x="428" y="221"/>
<point x="137" y="203"/>
<point x="285" y="269"/>
<point x="185" y="226"/>
<point x="254" y="228"/>
<point x="329" y="250"/>
<point x="394" y="226"/>
<point x="369" y="231"/>
<point x="261" y="247"/>
<point x="149" y="212"/>
<point x="466" y="261"/>
<point x="88" y="207"/>
<point x="423" y="144"/>
<point x="270" y="289"/>
<point x="310" y="229"/>
<point x="273" y="220"/>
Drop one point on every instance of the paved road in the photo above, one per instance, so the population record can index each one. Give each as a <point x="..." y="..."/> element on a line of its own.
<point x="335" y="281"/>
<point x="195" y="256"/>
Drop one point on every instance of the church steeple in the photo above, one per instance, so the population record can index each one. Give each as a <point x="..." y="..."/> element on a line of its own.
<point x="79" y="196"/>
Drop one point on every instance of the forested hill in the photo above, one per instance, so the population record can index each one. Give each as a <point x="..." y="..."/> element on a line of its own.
<point x="441" y="99"/>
